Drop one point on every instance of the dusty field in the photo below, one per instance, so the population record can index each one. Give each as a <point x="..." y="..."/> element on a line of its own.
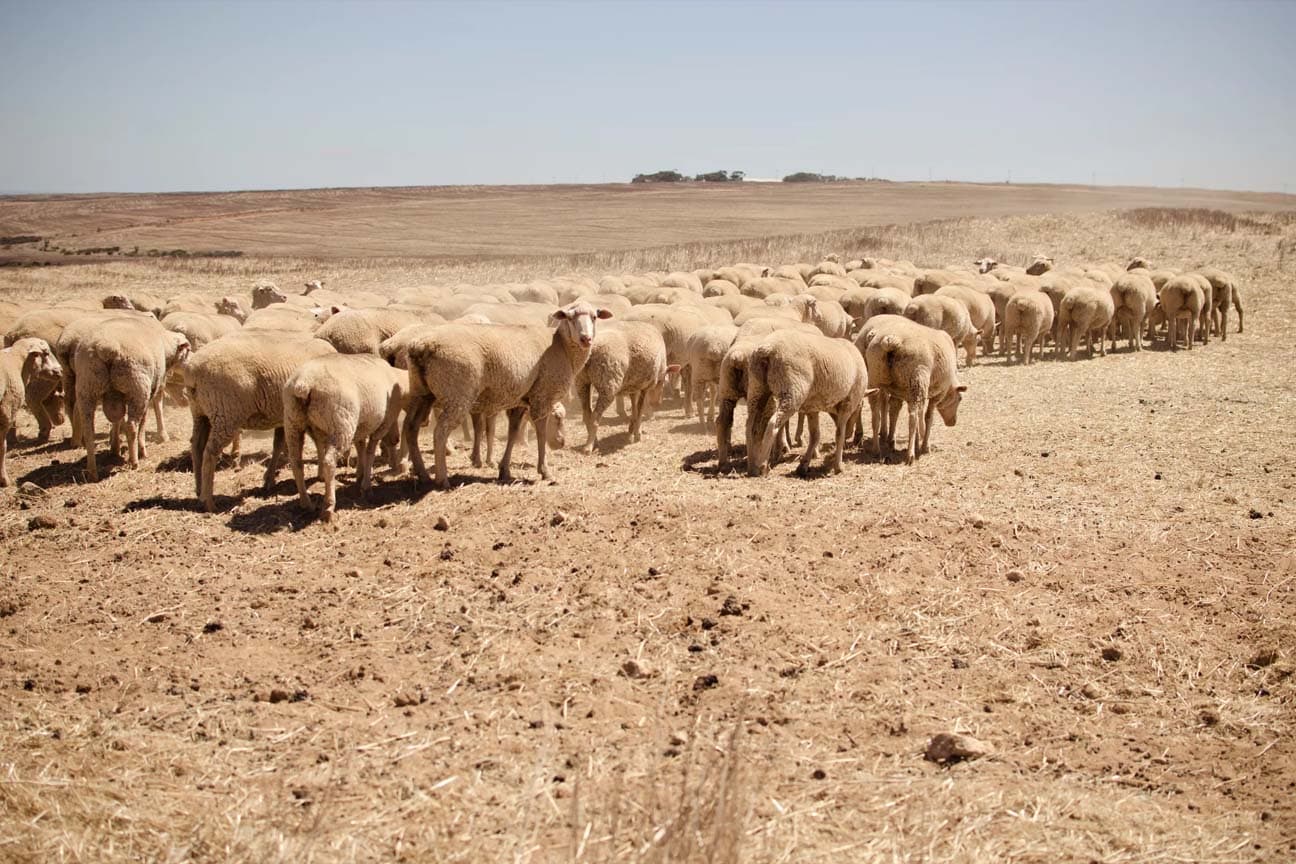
<point x="555" y="220"/>
<point x="1093" y="572"/>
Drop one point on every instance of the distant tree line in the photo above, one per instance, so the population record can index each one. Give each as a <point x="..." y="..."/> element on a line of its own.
<point x="677" y="177"/>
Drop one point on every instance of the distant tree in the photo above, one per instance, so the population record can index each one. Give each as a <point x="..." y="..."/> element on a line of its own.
<point x="811" y="177"/>
<point x="737" y="176"/>
<point x="659" y="177"/>
<point x="713" y="177"/>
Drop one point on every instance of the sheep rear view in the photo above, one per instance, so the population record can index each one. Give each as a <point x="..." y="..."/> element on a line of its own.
<point x="237" y="383"/>
<point x="342" y="400"/>
<point x="627" y="359"/>
<point x="793" y="373"/>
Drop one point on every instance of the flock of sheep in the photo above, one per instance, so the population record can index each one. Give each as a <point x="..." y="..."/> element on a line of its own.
<point x="369" y="371"/>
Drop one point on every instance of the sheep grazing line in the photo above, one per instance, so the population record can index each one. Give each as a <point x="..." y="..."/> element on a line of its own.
<point x="358" y="370"/>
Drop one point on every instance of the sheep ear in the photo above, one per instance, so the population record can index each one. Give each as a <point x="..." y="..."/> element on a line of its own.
<point x="672" y="368"/>
<point x="962" y="388"/>
<point x="605" y="314"/>
<point x="555" y="317"/>
<point x="337" y="310"/>
<point x="870" y="391"/>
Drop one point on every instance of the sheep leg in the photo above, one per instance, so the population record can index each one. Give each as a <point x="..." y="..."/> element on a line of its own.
<point x="478" y="430"/>
<point x="712" y="396"/>
<point x="197" y="446"/>
<point x="591" y="413"/>
<point x="637" y="401"/>
<point x="416" y="414"/>
<point x="724" y="427"/>
<point x="686" y="374"/>
<point x="915" y="424"/>
<point x="893" y="420"/>
<point x="758" y="452"/>
<point x="1223" y="320"/>
<point x="515" y="416"/>
<point x="540" y="423"/>
<point x="328" y="468"/>
<point x="294" y="442"/>
<point x="1192" y="330"/>
<point x="276" y="460"/>
<point x="440" y="442"/>
<point x="842" y="420"/>
<point x="801" y="421"/>
<point x="366" y="462"/>
<point x="216" y="439"/>
<point x="877" y="413"/>
<point x="4" y="449"/>
<point x="160" y="421"/>
<point x="86" y="407"/>
<point x="812" y="421"/>
<point x="927" y="424"/>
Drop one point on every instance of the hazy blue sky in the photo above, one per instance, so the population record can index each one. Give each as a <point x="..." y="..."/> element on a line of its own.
<point x="143" y="96"/>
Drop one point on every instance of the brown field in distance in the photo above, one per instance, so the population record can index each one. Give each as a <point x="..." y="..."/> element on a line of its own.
<point x="458" y="222"/>
<point x="647" y="661"/>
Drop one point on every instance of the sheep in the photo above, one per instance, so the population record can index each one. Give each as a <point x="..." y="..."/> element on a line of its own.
<point x="1225" y="293"/>
<point x="826" y="267"/>
<point x="703" y="354"/>
<point x="980" y="308"/>
<point x="199" y="328"/>
<point x="512" y="313"/>
<point x="341" y="400"/>
<point x="1133" y="297"/>
<point x="720" y="288"/>
<point x="887" y="301"/>
<point x="1181" y="297"/>
<point x="853" y="300"/>
<point x="628" y="358"/>
<point x="985" y="265"/>
<point x="281" y="316"/>
<point x="915" y="365"/>
<point x="1086" y="309"/>
<point x="65" y="346"/>
<point x="233" y="307"/>
<point x="266" y="294"/>
<point x="361" y="331"/>
<point x="237" y="383"/>
<point x="932" y="281"/>
<point x="138" y="301"/>
<point x="676" y="324"/>
<point x="1039" y="266"/>
<point x="829" y="316"/>
<point x="1028" y="316"/>
<point x="801" y="373"/>
<point x="26" y="367"/>
<point x="1139" y="262"/>
<point x="682" y="279"/>
<point x="1207" y="305"/>
<point x="44" y="324"/>
<point x="733" y="377"/>
<point x="186" y="303"/>
<point x="460" y="368"/>
<point x="948" y="314"/>
<point x="1000" y="292"/>
<point x="123" y="365"/>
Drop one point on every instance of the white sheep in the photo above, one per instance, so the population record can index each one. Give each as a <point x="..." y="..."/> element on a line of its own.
<point x="1133" y="296"/>
<point x="703" y="355"/>
<point x="25" y="367"/>
<point x="342" y="400"/>
<point x="980" y="308"/>
<point x="1181" y="297"/>
<point x="237" y="383"/>
<point x="1085" y="309"/>
<point x="945" y="313"/>
<point x="459" y="369"/>
<point x="123" y="364"/>
<point x="793" y="373"/>
<point x="362" y="331"/>
<point x="628" y="358"/>
<point x="914" y="365"/>
<point x="1028" y="317"/>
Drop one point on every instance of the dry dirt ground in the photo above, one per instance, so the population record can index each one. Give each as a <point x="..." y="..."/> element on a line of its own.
<point x="553" y="220"/>
<point x="1093" y="572"/>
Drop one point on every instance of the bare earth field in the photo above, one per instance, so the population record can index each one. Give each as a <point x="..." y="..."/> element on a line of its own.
<point x="1094" y="571"/>
<point x="554" y="220"/>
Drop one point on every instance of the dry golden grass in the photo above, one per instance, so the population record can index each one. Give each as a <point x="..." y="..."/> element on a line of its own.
<point x="464" y="695"/>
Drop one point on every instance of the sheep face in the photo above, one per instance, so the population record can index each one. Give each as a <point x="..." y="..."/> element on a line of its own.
<point x="40" y="365"/>
<point x="948" y="407"/>
<point x="985" y="265"/>
<point x="267" y="295"/>
<point x="577" y="322"/>
<point x="117" y="301"/>
<point x="1041" y="265"/>
<point x="806" y="304"/>
<point x="232" y="307"/>
<point x="313" y="285"/>
<point x="177" y="350"/>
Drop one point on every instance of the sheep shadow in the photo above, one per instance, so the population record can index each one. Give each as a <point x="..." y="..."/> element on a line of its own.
<point x="607" y="444"/>
<point x="182" y="463"/>
<point x="693" y="427"/>
<point x="60" y="473"/>
<point x="176" y="505"/>
<point x="703" y="462"/>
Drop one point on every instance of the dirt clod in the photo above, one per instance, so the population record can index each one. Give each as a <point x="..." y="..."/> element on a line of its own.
<point x="42" y="522"/>
<point x="442" y="524"/>
<point x="29" y="489"/>
<point x="951" y="747"/>
<point x="1263" y="659"/>
<point x="1111" y="654"/>
<point x="731" y="606"/>
<point x="705" y="682"/>
<point x="1014" y="576"/>
<point x="636" y="670"/>
<point x="557" y="518"/>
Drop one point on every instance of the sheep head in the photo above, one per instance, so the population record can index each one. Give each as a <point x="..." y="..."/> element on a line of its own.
<point x="576" y="322"/>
